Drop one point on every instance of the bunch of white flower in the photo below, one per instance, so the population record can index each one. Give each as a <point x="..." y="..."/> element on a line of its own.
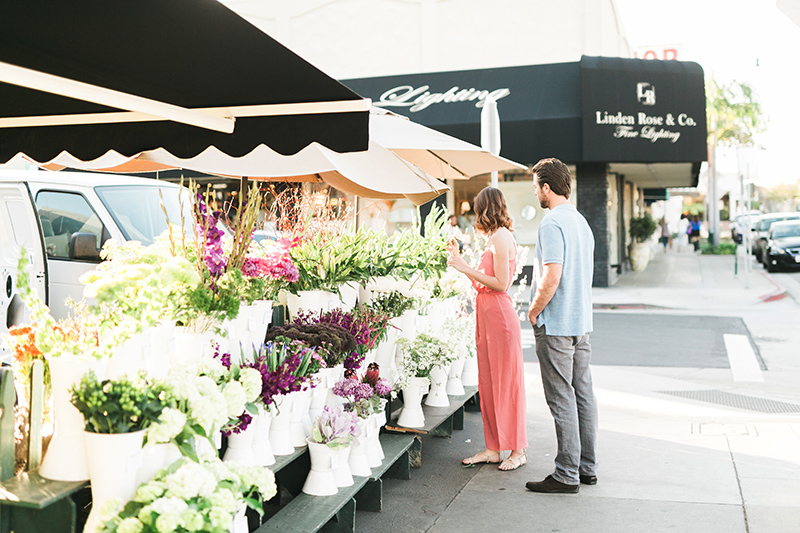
<point x="199" y="397"/>
<point x="250" y="378"/>
<point x="170" y="424"/>
<point x="420" y="356"/>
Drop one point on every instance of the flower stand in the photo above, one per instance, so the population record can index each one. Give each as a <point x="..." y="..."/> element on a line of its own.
<point x="279" y="436"/>
<point x="454" y="386"/>
<point x="437" y="397"/>
<point x="301" y="400"/>
<point x="359" y="465"/>
<point x="411" y="415"/>
<point x="342" y="473"/>
<point x="65" y="459"/>
<point x="321" y="480"/>
<point x="469" y="377"/>
<point x="262" y="447"/>
<point x="114" y="460"/>
<point x="240" y="446"/>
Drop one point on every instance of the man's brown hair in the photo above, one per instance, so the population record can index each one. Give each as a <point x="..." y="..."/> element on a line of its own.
<point x="554" y="173"/>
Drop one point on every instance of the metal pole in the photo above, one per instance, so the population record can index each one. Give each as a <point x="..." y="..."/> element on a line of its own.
<point x="747" y="235"/>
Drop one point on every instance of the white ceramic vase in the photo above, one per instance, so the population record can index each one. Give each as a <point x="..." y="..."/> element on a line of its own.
<point x="154" y="458"/>
<point x="259" y="321"/>
<point x="437" y="397"/>
<point x="342" y="473"/>
<point x="240" y="448"/>
<point x="469" y="376"/>
<point x="301" y="400"/>
<point x="157" y="351"/>
<point x="314" y="301"/>
<point x="262" y="448"/>
<point x="279" y="435"/>
<point x="128" y="356"/>
<point x="359" y="465"/>
<point x="65" y="459"/>
<point x="114" y="461"/>
<point x="454" y="386"/>
<point x="326" y="379"/>
<point x="348" y="294"/>
<point x="385" y="354"/>
<point x="408" y="324"/>
<point x="321" y="480"/>
<point x="189" y="346"/>
<point x="411" y="415"/>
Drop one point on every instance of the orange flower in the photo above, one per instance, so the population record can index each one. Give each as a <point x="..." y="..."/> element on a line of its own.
<point x="23" y="343"/>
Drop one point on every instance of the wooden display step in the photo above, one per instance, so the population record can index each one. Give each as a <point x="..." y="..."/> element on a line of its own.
<point x="439" y="421"/>
<point x="337" y="513"/>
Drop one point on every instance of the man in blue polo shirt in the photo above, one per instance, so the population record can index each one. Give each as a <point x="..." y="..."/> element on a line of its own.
<point x="561" y="315"/>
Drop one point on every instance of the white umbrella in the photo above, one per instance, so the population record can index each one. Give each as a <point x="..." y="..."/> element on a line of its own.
<point x="438" y="154"/>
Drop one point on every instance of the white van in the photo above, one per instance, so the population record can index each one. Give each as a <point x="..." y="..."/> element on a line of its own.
<point x="63" y="218"/>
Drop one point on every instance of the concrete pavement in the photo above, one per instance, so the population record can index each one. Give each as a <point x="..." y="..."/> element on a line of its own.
<point x="681" y="448"/>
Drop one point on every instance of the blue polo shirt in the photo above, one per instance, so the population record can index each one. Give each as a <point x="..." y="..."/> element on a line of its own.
<point x="565" y="237"/>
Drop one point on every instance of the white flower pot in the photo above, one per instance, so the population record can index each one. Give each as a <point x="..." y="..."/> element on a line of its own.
<point x="385" y="355"/>
<point x="279" y="436"/>
<point x="469" y="376"/>
<point x="154" y="458"/>
<point x="321" y="480"/>
<point x="437" y="397"/>
<point x="189" y="346"/>
<point x="240" y="446"/>
<point x="157" y="350"/>
<point x="377" y="423"/>
<point x="314" y="301"/>
<point x="438" y="312"/>
<point x="259" y="322"/>
<point x="326" y="379"/>
<point x="114" y="461"/>
<point x="374" y="458"/>
<point x="364" y="295"/>
<point x="454" y="386"/>
<point x="411" y="415"/>
<point x="348" y="293"/>
<point x="342" y="473"/>
<point x="301" y="401"/>
<point x="408" y="324"/>
<point x="65" y="459"/>
<point x="262" y="447"/>
<point x="128" y="357"/>
<point x="359" y="465"/>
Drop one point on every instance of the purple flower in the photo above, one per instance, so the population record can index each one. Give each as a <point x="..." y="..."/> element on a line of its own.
<point x="383" y="387"/>
<point x="353" y="390"/>
<point x="242" y="423"/>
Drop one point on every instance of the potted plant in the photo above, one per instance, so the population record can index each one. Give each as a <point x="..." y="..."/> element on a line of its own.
<point x="332" y="431"/>
<point x="419" y="358"/>
<point x="116" y="414"/>
<point x="641" y="229"/>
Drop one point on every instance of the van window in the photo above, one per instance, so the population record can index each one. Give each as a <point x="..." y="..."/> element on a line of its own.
<point x="139" y="210"/>
<point x="63" y="214"/>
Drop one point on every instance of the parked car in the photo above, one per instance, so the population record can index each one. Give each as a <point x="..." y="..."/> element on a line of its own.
<point x="63" y="218"/>
<point x="742" y="223"/>
<point x="783" y="246"/>
<point x="761" y="230"/>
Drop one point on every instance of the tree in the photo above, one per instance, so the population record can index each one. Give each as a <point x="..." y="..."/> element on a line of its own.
<point x="734" y="118"/>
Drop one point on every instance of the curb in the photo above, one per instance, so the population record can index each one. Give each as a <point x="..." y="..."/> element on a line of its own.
<point x="779" y="293"/>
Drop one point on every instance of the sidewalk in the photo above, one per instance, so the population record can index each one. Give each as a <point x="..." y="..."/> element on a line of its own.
<point x="670" y="458"/>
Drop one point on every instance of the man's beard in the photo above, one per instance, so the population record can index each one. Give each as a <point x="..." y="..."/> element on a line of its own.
<point x="544" y="203"/>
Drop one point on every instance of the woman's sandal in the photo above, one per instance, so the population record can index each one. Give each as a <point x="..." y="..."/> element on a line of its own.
<point x="469" y="462"/>
<point x="514" y="461"/>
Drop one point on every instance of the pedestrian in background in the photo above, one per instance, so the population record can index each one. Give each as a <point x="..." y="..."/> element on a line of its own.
<point x="683" y="232"/>
<point x="501" y="373"/>
<point x="561" y="316"/>
<point x="695" y="233"/>
<point x="665" y="233"/>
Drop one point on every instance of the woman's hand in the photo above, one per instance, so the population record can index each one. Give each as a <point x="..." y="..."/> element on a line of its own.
<point x="455" y="260"/>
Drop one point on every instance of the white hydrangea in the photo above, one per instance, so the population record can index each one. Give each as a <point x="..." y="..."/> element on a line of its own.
<point x="250" y="378"/>
<point x="169" y="425"/>
<point x="235" y="398"/>
<point x="130" y="525"/>
<point x="169" y="505"/>
<point x="224" y="499"/>
<point x="189" y="481"/>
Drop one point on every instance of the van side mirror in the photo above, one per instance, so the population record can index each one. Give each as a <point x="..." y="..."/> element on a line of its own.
<point x="83" y="246"/>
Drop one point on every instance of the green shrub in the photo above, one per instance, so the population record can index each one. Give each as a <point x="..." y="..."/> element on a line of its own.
<point x="724" y="248"/>
<point x="642" y="228"/>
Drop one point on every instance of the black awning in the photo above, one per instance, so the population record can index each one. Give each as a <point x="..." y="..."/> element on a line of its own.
<point x="552" y="110"/>
<point x="643" y="111"/>
<point x="539" y="106"/>
<point x="189" y="53"/>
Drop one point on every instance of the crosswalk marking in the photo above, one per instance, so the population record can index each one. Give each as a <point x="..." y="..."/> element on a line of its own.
<point x="744" y="365"/>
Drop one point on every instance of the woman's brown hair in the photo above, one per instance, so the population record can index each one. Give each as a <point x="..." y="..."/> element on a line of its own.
<point x="491" y="211"/>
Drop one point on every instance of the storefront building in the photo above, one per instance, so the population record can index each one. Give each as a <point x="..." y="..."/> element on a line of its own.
<point x="628" y="128"/>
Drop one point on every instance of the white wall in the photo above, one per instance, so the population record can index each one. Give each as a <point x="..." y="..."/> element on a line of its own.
<point x="367" y="38"/>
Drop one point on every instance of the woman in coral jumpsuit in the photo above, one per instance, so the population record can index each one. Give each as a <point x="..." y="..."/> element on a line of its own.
<point x="501" y="381"/>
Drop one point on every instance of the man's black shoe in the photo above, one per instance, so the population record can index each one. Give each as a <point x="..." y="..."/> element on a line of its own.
<point x="551" y="486"/>
<point x="588" y="480"/>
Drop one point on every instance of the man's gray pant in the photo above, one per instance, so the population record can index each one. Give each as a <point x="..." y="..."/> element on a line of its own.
<point x="567" y="381"/>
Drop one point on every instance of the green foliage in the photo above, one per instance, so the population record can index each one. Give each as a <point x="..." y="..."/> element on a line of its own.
<point x="733" y="114"/>
<point x="120" y="406"/>
<point x="642" y="228"/>
<point x="724" y="248"/>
